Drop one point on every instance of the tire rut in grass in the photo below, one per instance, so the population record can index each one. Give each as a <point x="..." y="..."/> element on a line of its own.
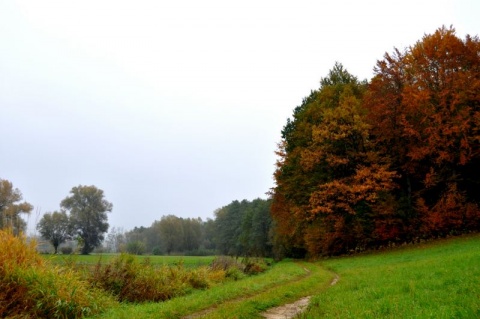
<point x="292" y="310"/>
<point x="208" y="310"/>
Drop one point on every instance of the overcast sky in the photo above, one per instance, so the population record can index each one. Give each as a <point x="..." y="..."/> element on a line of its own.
<point x="176" y="107"/>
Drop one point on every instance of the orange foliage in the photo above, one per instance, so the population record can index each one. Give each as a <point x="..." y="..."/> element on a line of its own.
<point x="451" y="213"/>
<point x="399" y="159"/>
<point x="424" y="110"/>
<point x="341" y="195"/>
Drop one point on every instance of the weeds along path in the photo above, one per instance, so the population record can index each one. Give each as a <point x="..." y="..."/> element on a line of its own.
<point x="200" y="302"/>
<point x="293" y="295"/>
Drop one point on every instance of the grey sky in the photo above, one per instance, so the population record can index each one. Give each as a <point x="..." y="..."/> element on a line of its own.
<point x="175" y="107"/>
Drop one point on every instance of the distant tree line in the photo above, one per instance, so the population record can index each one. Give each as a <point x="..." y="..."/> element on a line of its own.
<point x="242" y="228"/>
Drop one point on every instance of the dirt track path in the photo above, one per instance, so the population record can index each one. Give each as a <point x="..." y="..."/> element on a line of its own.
<point x="292" y="310"/>
<point x="287" y="311"/>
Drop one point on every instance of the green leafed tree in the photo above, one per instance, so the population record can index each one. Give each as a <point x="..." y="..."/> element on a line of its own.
<point x="88" y="214"/>
<point x="171" y="233"/>
<point x="56" y="228"/>
<point x="243" y="228"/>
<point x="11" y="207"/>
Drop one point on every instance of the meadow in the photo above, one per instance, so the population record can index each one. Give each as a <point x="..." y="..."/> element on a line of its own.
<point x="93" y="259"/>
<point x="437" y="279"/>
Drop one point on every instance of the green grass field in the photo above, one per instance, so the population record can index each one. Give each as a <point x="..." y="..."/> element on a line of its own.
<point x="187" y="261"/>
<point x="435" y="280"/>
<point x="439" y="279"/>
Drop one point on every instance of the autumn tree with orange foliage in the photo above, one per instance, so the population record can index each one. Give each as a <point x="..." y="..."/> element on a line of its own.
<point x="424" y="111"/>
<point x="367" y="164"/>
<point x="329" y="177"/>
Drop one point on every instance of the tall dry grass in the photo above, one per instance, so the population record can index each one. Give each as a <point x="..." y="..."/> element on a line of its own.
<point x="33" y="288"/>
<point x="133" y="281"/>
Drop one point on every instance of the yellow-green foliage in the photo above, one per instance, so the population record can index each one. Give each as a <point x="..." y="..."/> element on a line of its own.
<point x="32" y="288"/>
<point x="129" y="280"/>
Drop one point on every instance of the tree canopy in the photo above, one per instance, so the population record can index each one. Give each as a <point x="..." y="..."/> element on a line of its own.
<point x="11" y="207"/>
<point x="366" y="164"/>
<point x="56" y="228"/>
<point x="88" y="214"/>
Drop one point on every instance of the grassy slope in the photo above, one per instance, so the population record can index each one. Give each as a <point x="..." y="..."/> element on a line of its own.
<point x="435" y="280"/>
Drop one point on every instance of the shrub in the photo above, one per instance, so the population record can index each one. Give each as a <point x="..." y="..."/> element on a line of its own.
<point x="237" y="270"/>
<point x="232" y="267"/>
<point x="254" y="266"/>
<point x="67" y="250"/>
<point x="157" y="251"/>
<point x="216" y="275"/>
<point x="32" y="288"/>
<point x="234" y="273"/>
<point x="225" y="263"/>
<point x="198" y="278"/>
<point x="132" y="281"/>
<point x="136" y="247"/>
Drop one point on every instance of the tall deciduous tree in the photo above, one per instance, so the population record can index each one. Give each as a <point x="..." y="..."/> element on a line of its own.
<point x="56" y="228"/>
<point x="88" y="213"/>
<point x="171" y="233"/>
<point x="243" y="228"/>
<point x="11" y="207"/>
<point x="329" y="175"/>
<point x="115" y="241"/>
<point x="425" y="112"/>
<point x="256" y="224"/>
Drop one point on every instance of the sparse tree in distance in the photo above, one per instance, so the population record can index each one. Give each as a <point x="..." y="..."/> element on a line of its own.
<point x="88" y="214"/>
<point x="115" y="241"/>
<point x="11" y="208"/>
<point x="55" y="227"/>
<point x="136" y="247"/>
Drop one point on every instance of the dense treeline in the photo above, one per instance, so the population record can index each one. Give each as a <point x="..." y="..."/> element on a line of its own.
<point x="239" y="229"/>
<point x="170" y="234"/>
<point x="364" y="164"/>
<point x="243" y="228"/>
